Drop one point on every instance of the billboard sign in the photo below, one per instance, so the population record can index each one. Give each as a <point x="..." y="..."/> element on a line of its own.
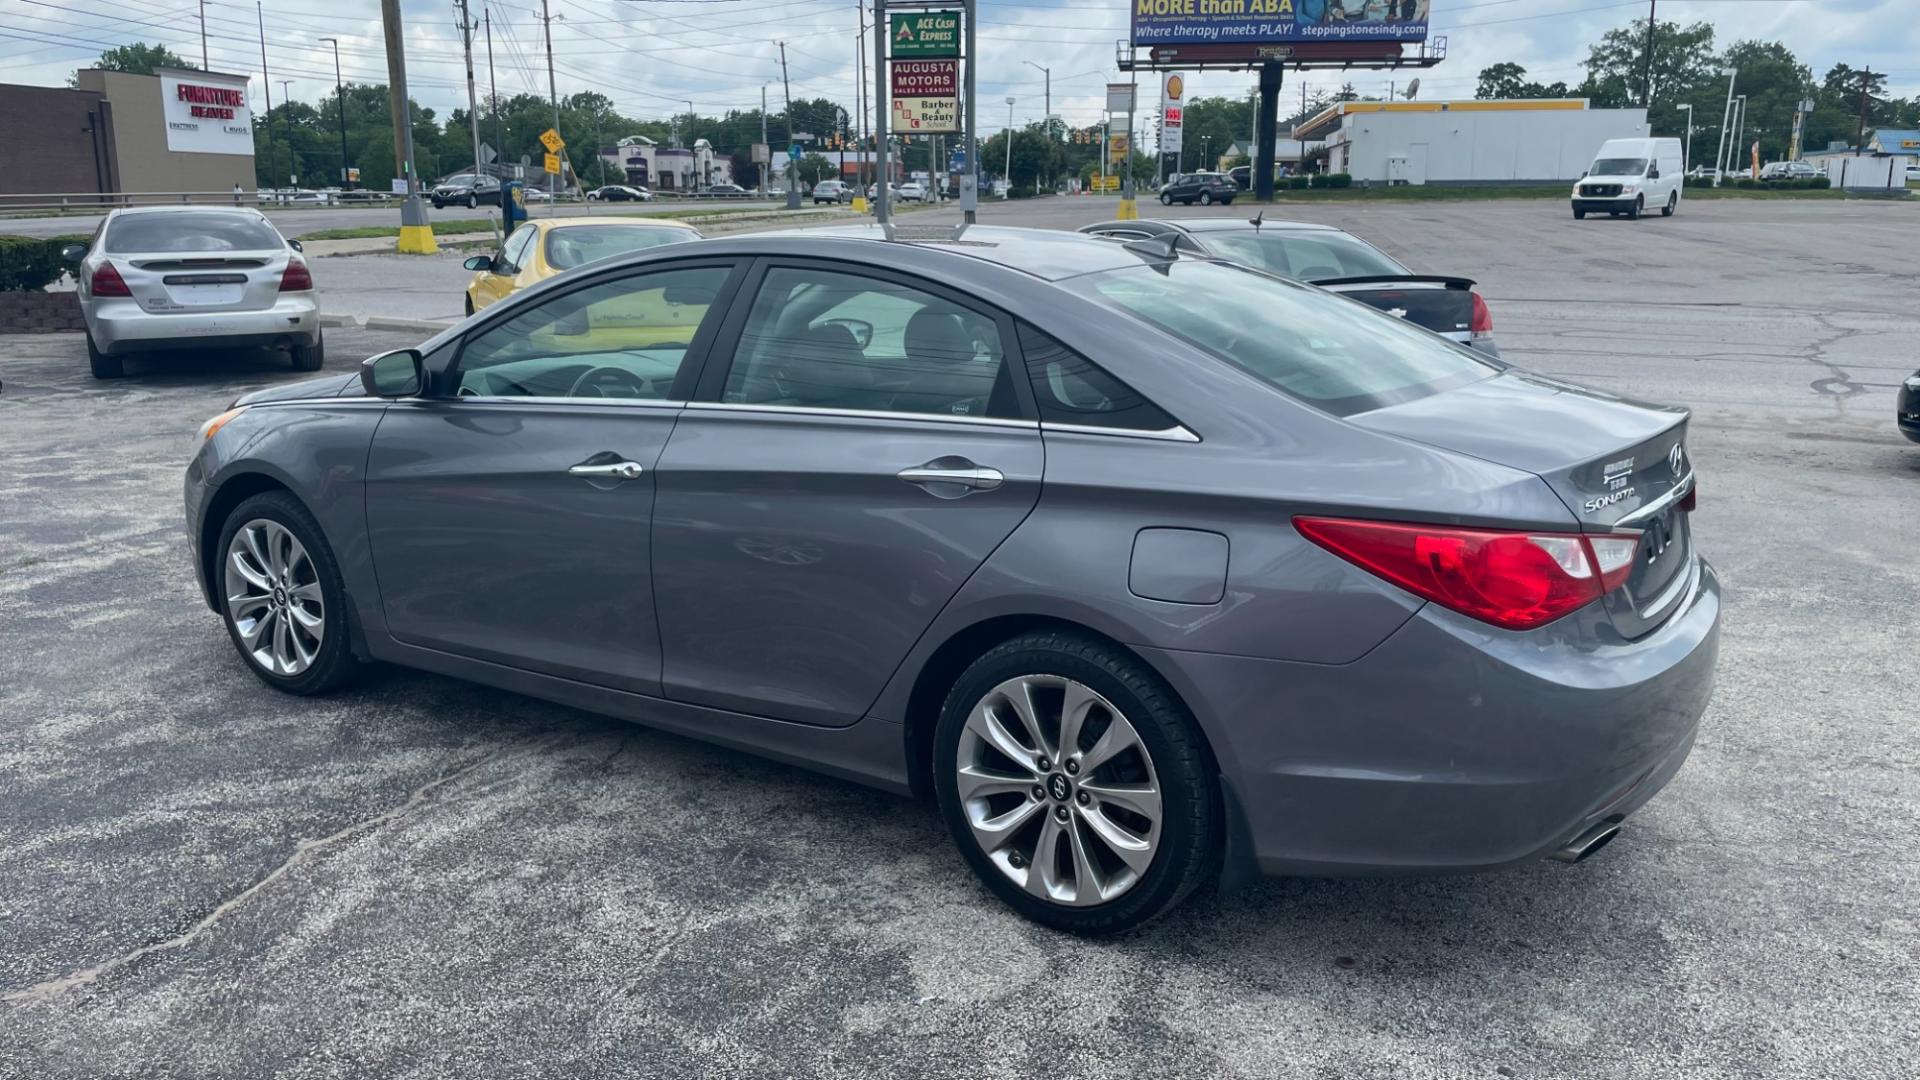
<point x="925" y="34"/>
<point x="1119" y="97"/>
<point x="206" y="113"/>
<point x="925" y="78"/>
<point x="1255" y="22"/>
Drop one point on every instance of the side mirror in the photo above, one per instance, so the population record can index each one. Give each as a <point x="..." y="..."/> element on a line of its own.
<point x="296" y="245"/>
<point x="73" y="253"/>
<point x="1653" y="174"/>
<point x="400" y="373"/>
<point x="479" y="262"/>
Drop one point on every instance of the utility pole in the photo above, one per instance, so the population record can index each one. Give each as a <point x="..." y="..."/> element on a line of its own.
<point x="1726" y="115"/>
<point x="340" y="106"/>
<point x="416" y="235"/>
<point x="765" y="165"/>
<point x="1646" y="79"/>
<point x="1866" y="100"/>
<point x="553" y="92"/>
<point x="1009" y="171"/>
<point x="204" y="65"/>
<point x="970" y="194"/>
<point x="492" y="87"/>
<point x="473" y="107"/>
<point x="266" y="87"/>
<point x="286" y="99"/>
<point x="793" y="171"/>
<point x="882" y="152"/>
<point x="860" y="102"/>
<point x="1047" y="117"/>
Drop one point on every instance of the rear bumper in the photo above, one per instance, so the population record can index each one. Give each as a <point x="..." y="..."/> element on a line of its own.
<point x="1452" y="745"/>
<point x="120" y="326"/>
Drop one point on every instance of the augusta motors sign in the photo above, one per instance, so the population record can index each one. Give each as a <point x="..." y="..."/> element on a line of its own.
<point x="926" y="78"/>
<point x="206" y="113"/>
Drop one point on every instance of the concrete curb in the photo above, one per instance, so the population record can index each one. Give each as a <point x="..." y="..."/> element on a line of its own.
<point x="418" y="326"/>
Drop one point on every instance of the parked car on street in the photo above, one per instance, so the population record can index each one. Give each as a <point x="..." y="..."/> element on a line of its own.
<point x="1141" y="565"/>
<point x="729" y="191"/>
<point x="1906" y="410"/>
<point x="832" y="191"/>
<point x="466" y="189"/>
<point x="538" y="250"/>
<point x="912" y="191"/>
<point x="1788" y="170"/>
<point x="620" y="193"/>
<point x="175" y="277"/>
<point x="1325" y="256"/>
<point x="1205" y="188"/>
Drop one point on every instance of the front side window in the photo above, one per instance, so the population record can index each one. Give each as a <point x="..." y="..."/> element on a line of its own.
<point x="1303" y="256"/>
<point x="190" y="231"/>
<point x="570" y="245"/>
<point x="514" y="255"/>
<point x="624" y="338"/>
<point x="846" y="341"/>
<point x="1312" y="345"/>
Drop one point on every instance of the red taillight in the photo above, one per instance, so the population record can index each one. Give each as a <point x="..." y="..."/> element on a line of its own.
<point x="295" y="278"/>
<point x="108" y="282"/>
<point x="1517" y="580"/>
<point x="1482" y="318"/>
<point x="1689" y="501"/>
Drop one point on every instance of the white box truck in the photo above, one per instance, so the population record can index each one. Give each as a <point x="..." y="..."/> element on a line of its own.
<point x="1631" y="176"/>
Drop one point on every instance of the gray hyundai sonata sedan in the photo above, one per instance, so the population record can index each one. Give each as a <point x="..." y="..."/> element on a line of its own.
<point x="1148" y="569"/>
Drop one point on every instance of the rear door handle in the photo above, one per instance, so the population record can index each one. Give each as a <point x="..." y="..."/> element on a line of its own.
<point x="977" y="477"/>
<point x="613" y="470"/>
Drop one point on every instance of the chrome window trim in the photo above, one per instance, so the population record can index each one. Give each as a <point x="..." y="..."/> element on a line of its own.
<point x="538" y="399"/>
<point x="318" y="401"/>
<point x="862" y="414"/>
<point x="1674" y="494"/>
<point x="1176" y="433"/>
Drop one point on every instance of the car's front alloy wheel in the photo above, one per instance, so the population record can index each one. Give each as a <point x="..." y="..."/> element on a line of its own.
<point x="282" y="595"/>
<point x="1075" y="784"/>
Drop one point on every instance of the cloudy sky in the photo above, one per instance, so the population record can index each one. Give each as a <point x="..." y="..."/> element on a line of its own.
<point x="654" y="56"/>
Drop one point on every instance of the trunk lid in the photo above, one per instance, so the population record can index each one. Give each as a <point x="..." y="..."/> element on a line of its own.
<point x="1617" y="464"/>
<point x="1443" y="305"/>
<point x="177" y="283"/>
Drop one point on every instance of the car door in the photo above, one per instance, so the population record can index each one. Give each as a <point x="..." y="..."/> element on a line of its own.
<point x="508" y="514"/>
<point x="859" y="448"/>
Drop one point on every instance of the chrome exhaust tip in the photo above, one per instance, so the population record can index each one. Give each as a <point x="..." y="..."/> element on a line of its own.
<point x="1595" y="838"/>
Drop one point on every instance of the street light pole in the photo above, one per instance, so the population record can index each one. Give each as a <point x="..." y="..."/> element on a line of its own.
<point x="293" y="178"/>
<point x="1686" y="155"/>
<point x="1726" y="114"/>
<point x="340" y="106"/>
<point x="1009" y="193"/>
<point x="1739" y="126"/>
<point x="1047" y="118"/>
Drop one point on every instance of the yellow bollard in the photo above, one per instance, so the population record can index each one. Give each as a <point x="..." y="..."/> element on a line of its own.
<point x="1129" y="210"/>
<point x="859" y="204"/>
<point x="416" y="240"/>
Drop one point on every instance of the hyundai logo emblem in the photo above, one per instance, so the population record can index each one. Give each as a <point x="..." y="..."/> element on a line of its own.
<point x="1058" y="788"/>
<point x="1676" y="459"/>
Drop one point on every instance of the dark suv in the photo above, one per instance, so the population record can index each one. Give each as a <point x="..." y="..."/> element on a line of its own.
<point x="1204" y="188"/>
<point x="467" y="190"/>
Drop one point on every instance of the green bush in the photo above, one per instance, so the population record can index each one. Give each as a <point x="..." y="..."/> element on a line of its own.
<point x="1819" y="183"/>
<point x="1337" y="180"/>
<point x="1747" y="183"/>
<point x="1297" y="181"/>
<point x="31" y="263"/>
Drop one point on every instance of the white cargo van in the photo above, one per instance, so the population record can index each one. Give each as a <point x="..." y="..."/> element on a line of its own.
<point x="1631" y="176"/>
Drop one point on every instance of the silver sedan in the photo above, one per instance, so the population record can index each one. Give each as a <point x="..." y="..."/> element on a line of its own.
<point x="194" y="276"/>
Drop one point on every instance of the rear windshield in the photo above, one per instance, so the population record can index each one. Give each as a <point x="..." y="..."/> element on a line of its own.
<point x="143" y="233"/>
<point x="578" y="244"/>
<point x="1306" y="256"/>
<point x="1331" y="352"/>
<point x="1619" y="166"/>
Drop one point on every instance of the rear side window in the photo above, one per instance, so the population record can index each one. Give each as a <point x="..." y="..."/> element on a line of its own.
<point x="572" y="245"/>
<point x="135" y="234"/>
<point x="1072" y="390"/>
<point x="1304" y="256"/>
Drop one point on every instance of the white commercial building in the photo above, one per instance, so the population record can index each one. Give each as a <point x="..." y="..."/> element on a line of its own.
<point x="1467" y="142"/>
<point x="668" y="168"/>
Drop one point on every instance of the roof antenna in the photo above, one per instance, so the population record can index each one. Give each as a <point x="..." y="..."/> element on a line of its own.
<point x="1257" y="218"/>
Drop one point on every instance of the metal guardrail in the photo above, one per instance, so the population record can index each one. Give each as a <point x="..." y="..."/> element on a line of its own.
<point x="94" y="202"/>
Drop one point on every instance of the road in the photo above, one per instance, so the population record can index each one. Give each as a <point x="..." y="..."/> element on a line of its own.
<point x="297" y="223"/>
<point x="423" y="878"/>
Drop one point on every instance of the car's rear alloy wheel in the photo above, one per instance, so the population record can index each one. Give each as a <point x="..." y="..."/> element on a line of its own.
<point x="1075" y="784"/>
<point x="1206" y="198"/>
<point x="282" y="596"/>
<point x="472" y="201"/>
<point x="1166" y="199"/>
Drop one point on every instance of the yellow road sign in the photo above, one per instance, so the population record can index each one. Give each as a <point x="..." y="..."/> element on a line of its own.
<point x="551" y="139"/>
<point x="553" y="164"/>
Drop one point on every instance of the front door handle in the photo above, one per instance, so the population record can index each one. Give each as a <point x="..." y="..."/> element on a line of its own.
<point x="613" y="470"/>
<point x="976" y="477"/>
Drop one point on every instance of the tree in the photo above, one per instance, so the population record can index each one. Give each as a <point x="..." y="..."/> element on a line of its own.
<point x="1775" y="83"/>
<point x="1509" y="82"/>
<point x="140" y="58"/>
<point x="1684" y="66"/>
<point x="814" y="168"/>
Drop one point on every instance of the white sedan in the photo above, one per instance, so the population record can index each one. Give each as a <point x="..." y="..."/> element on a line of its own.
<point x="172" y="277"/>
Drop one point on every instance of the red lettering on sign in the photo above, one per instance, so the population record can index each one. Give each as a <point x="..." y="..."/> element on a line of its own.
<point x="210" y="95"/>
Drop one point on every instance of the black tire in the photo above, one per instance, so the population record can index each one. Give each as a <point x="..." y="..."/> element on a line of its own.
<point x="1206" y="198"/>
<point x="1191" y="836"/>
<point x="104" y="365"/>
<point x="469" y="302"/>
<point x="310" y="357"/>
<point x="1673" y="203"/>
<point x="1639" y="208"/>
<point x="334" y="663"/>
<point x="1166" y="199"/>
<point x="438" y="205"/>
<point x="1579" y="215"/>
<point x="472" y="201"/>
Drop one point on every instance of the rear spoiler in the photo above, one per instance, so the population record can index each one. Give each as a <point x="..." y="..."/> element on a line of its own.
<point x="1397" y="279"/>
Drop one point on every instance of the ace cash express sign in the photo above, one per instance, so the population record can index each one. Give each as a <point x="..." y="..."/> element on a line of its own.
<point x="206" y="113"/>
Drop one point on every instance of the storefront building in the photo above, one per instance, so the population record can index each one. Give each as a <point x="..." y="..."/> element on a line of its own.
<point x="173" y="131"/>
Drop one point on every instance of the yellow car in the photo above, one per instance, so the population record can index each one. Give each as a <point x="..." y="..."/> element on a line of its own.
<point x="538" y="250"/>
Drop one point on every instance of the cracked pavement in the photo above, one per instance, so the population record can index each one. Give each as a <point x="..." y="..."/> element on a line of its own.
<point x="202" y="878"/>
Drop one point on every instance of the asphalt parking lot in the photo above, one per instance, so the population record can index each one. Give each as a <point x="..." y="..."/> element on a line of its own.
<point x="423" y="878"/>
